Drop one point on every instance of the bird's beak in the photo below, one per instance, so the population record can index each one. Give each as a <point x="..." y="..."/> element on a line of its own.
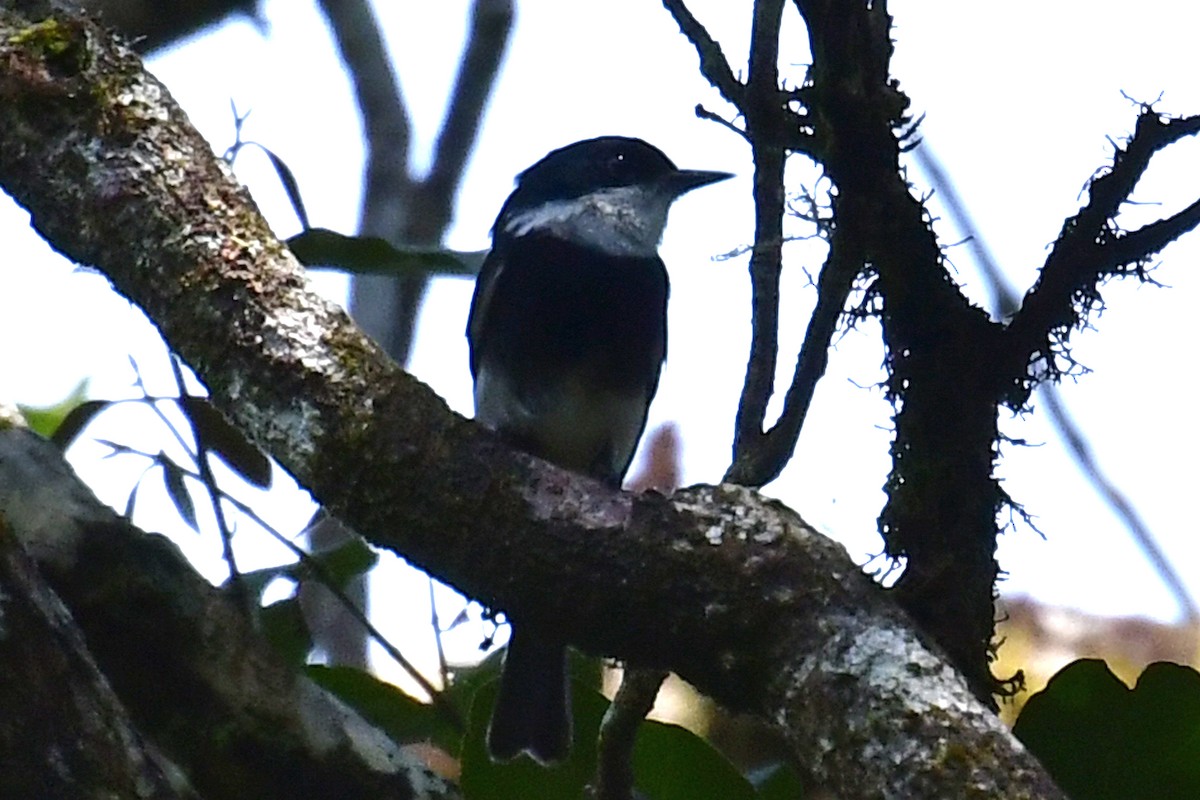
<point x="684" y="180"/>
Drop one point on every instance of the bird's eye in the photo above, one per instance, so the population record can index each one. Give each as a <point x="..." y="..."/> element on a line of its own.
<point x="616" y="162"/>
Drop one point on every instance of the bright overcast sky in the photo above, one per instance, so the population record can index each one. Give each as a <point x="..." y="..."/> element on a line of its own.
<point x="1019" y="100"/>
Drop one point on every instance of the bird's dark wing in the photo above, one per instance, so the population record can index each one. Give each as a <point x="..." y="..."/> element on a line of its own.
<point x="481" y="302"/>
<point x="566" y="349"/>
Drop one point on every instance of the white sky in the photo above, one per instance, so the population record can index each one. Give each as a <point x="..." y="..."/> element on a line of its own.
<point x="1018" y="101"/>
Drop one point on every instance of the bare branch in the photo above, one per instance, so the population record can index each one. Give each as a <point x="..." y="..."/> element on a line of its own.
<point x="943" y="498"/>
<point x="386" y="126"/>
<point x="396" y="207"/>
<point x="1004" y="298"/>
<point x="491" y="22"/>
<point x="1004" y="305"/>
<point x="761" y="108"/>
<point x="618" y="733"/>
<point x="772" y="129"/>
<point x="389" y="310"/>
<point x="843" y="265"/>
<point x="1089" y="249"/>
<point x="713" y="64"/>
<point x="1122" y="507"/>
<point x="1147" y="241"/>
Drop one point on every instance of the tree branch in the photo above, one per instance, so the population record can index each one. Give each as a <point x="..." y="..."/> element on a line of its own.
<point x="1090" y="249"/>
<point x="772" y="129"/>
<point x="487" y="39"/>
<point x="775" y="448"/>
<point x="713" y="64"/>
<point x="58" y="707"/>
<point x="150" y="26"/>
<point x="761" y="108"/>
<point x="384" y="306"/>
<point x="1004" y="305"/>
<point x="387" y="131"/>
<point x="943" y="499"/>
<point x="193" y="670"/>
<point x="735" y="593"/>
<point x="396" y="207"/>
<point x="633" y="701"/>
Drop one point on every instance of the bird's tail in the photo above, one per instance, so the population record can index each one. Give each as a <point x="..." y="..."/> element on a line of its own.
<point x="532" y="713"/>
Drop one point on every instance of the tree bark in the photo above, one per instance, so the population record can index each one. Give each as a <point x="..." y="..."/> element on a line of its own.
<point x="194" y="673"/>
<point x="730" y="590"/>
<point x="63" y="732"/>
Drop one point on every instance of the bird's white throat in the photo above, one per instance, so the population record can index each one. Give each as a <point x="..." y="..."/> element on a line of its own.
<point x="625" y="221"/>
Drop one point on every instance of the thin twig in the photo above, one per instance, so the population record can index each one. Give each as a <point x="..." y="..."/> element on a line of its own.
<point x="314" y="565"/>
<point x="618" y="733"/>
<point x="1005" y="301"/>
<point x="443" y="667"/>
<point x="842" y="267"/>
<point x="713" y="64"/>
<point x="205" y="476"/>
<point x="761" y="110"/>
<point x="712" y="116"/>
<point x="1081" y="452"/>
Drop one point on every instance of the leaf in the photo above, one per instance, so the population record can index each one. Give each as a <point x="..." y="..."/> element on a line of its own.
<point x="128" y="514"/>
<point x="284" y="626"/>
<point x="467" y="681"/>
<point x="462" y="617"/>
<point x="289" y="185"/>
<point x="340" y="565"/>
<point x="370" y="255"/>
<point x="70" y="426"/>
<point x="48" y="419"/>
<point x="1099" y="739"/>
<point x="173" y="479"/>
<point x="216" y="434"/>
<point x="403" y="717"/>
<point x="672" y="763"/>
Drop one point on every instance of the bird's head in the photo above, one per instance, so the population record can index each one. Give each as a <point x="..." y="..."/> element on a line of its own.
<point x="611" y="193"/>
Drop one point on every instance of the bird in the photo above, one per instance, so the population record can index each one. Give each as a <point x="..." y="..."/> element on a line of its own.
<point x="567" y="335"/>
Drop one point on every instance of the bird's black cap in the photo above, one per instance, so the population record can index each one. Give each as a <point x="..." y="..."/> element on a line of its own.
<point x="604" y="162"/>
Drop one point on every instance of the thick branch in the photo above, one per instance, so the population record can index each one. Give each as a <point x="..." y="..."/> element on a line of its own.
<point x="1004" y="305"/>
<point x="389" y="310"/>
<point x="193" y="670"/>
<point x="396" y="207"/>
<point x="150" y="25"/>
<point x="63" y="732"/>
<point x="943" y="499"/>
<point x="736" y="594"/>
